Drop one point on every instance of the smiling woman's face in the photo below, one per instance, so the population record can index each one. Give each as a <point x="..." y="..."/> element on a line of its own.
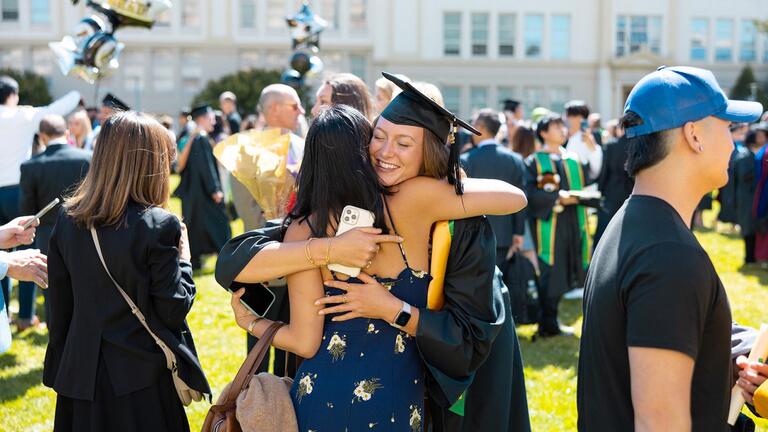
<point x="397" y="151"/>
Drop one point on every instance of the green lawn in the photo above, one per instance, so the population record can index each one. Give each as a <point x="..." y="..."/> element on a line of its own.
<point x="25" y="405"/>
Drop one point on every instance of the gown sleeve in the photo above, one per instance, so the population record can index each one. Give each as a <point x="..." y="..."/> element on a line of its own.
<point x="237" y="253"/>
<point x="455" y="341"/>
<point x="540" y="202"/>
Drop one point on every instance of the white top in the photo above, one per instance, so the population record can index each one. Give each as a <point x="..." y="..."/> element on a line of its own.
<point x="593" y="157"/>
<point x="18" y="126"/>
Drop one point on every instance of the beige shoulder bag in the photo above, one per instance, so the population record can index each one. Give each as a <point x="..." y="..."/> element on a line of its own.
<point x="186" y="394"/>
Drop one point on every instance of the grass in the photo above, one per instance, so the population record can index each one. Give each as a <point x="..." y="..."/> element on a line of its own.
<point x="25" y="405"/>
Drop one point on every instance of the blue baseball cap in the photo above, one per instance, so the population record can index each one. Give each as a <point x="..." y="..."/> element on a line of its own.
<point x="670" y="97"/>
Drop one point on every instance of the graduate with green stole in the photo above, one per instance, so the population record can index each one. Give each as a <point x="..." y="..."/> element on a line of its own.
<point x="558" y="220"/>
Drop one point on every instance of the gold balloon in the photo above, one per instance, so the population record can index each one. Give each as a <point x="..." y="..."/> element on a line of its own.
<point x="259" y="160"/>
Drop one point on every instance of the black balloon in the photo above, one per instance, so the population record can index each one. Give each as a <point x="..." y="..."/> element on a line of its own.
<point x="292" y="78"/>
<point x="301" y="62"/>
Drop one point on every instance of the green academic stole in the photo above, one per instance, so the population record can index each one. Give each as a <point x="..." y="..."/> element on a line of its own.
<point x="545" y="228"/>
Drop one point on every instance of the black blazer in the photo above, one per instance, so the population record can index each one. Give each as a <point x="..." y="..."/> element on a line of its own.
<point x="89" y="318"/>
<point x="49" y="175"/>
<point x="495" y="161"/>
<point x="614" y="182"/>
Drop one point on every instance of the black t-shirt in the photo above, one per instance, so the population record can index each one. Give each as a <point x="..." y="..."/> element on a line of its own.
<point x="651" y="284"/>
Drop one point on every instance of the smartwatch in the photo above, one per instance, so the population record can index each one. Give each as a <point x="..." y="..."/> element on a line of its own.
<point x="402" y="318"/>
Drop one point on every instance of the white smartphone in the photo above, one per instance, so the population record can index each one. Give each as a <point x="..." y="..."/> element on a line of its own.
<point x="352" y="217"/>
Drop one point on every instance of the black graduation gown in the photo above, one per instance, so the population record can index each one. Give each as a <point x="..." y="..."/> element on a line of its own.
<point x="745" y="185"/>
<point x="727" y="194"/>
<point x="207" y="222"/>
<point x="568" y="271"/>
<point x="614" y="183"/>
<point x="467" y="341"/>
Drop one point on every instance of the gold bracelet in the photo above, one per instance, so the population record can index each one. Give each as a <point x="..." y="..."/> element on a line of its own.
<point x="308" y="253"/>
<point x="253" y="324"/>
<point x="328" y="251"/>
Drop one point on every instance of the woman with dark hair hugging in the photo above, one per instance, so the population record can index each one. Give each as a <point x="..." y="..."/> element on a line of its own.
<point x="365" y="371"/>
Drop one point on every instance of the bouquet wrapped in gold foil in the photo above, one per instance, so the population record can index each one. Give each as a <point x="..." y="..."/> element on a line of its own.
<point x="259" y="160"/>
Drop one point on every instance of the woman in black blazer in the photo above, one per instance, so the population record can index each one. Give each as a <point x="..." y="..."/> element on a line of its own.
<point x="107" y="370"/>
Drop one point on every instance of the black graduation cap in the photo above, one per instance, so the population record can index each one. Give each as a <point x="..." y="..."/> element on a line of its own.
<point x="510" y="104"/>
<point x="413" y="108"/>
<point x="112" y="102"/>
<point x="200" y="110"/>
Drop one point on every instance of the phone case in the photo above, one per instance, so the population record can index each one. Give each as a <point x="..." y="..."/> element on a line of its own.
<point x="352" y="217"/>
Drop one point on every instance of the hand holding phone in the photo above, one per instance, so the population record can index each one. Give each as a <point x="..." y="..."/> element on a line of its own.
<point x="352" y="217"/>
<point x="256" y="298"/>
<point x="41" y="213"/>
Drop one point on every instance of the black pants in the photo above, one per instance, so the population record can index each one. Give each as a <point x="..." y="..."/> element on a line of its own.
<point x="549" y="300"/>
<point x="749" y="249"/>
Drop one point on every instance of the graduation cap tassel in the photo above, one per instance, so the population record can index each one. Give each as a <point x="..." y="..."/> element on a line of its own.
<point x="454" y="168"/>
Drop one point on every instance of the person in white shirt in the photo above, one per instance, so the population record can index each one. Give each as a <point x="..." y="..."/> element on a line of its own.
<point x="580" y="138"/>
<point x="18" y="125"/>
<point x="26" y="265"/>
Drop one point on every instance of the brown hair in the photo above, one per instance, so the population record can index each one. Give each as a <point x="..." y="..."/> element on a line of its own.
<point x="435" y="154"/>
<point x="523" y="141"/>
<point x="348" y="89"/>
<point x="131" y="163"/>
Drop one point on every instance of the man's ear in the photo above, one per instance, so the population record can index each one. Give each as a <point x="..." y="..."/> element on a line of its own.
<point x="690" y="131"/>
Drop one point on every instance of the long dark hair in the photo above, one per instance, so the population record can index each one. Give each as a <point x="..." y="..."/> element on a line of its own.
<point x="336" y="171"/>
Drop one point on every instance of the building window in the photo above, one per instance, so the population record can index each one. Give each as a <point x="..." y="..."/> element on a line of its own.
<point x="478" y="98"/>
<point x="533" y="97"/>
<point x="329" y="11"/>
<point x="275" y="14"/>
<point x="164" y="19"/>
<point x="506" y="93"/>
<point x="163" y="70"/>
<point x="452" y="33"/>
<point x="133" y="63"/>
<point x="561" y="37"/>
<point x="534" y="35"/>
<point x="507" y="33"/>
<point x="452" y="98"/>
<point x="724" y="40"/>
<point x="249" y="59"/>
<point x="40" y="13"/>
<point x="42" y="61"/>
<point x="699" y="39"/>
<point x="9" y="10"/>
<point x="765" y="47"/>
<point x="191" y="71"/>
<point x="558" y="96"/>
<point x="247" y="14"/>
<point x="480" y="34"/>
<point x="748" y="41"/>
<point x="636" y="33"/>
<point x="190" y="14"/>
<point x="358" y="65"/>
<point x="358" y="20"/>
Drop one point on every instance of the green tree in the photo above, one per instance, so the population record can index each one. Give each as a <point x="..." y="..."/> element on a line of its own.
<point x="246" y="84"/>
<point x="742" y="89"/>
<point x="33" y="88"/>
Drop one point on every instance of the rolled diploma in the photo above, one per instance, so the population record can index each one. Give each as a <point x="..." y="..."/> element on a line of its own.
<point x="759" y="352"/>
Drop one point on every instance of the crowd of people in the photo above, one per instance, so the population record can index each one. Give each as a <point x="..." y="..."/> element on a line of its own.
<point x="477" y="226"/>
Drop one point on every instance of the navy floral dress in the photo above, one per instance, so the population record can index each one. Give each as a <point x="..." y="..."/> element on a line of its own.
<point x="367" y="374"/>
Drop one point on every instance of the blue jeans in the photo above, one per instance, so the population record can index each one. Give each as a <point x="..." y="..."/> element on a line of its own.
<point x="9" y="210"/>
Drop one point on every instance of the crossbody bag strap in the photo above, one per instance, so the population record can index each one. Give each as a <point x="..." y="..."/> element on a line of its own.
<point x="170" y="357"/>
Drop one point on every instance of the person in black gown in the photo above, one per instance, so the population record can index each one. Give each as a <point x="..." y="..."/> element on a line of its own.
<point x="202" y="197"/>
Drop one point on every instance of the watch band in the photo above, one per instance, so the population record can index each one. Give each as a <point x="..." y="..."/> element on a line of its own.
<point x="402" y="318"/>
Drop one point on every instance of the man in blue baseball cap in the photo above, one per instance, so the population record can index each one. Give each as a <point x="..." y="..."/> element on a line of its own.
<point x="655" y="346"/>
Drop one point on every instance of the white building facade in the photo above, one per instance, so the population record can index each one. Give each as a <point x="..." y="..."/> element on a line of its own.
<point x="480" y="52"/>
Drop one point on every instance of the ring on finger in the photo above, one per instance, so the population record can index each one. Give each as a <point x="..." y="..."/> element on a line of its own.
<point x="369" y="264"/>
<point x="344" y="298"/>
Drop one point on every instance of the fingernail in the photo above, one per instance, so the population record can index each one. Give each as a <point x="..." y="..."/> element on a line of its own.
<point x="317" y="303"/>
<point x="333" y="319"/>
<point x="320" y="313"/>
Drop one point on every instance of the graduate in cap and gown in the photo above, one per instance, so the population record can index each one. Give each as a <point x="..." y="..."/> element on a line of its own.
<point x="109" y="105"/>
<point x="558" y="220"/>
<point x="473" y="383"/>
<point x="202" y="197"/>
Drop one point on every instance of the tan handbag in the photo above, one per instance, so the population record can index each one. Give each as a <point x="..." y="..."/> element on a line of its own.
<point x="254" y="403"/>
<point x="186" y="394"/>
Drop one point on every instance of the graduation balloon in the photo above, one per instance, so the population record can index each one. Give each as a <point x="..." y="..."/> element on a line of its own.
<point x="292" y="78"/>
<point x="130" y="13"/>
<point x="93" y="53"/>
<point x="305" y="26"/>
<point x="300" y="62"/>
